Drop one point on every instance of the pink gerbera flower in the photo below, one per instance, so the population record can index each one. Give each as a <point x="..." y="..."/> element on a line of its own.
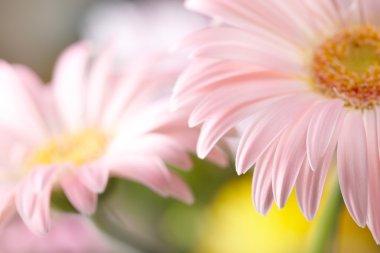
<point x="91" y="122"/>
<point x="302" y="77"/>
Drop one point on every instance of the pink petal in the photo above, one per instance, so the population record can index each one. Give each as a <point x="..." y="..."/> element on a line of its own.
<point x="7" y="201"/>
<point x="353" y="166"/>
<point x="377" y="110"/>
<point x="94" y="177"/>
<point x="205" y="74"/>
<point x="16" y="100"/>
<point x="370" y="11"/>
<point x="309" y="187"/>
<point x="349" y="11"/>
<point x="42" y="97"/>
<point x="252" y="16"/>
<point x="290" y="155"/>
<point x="310" y="183"/>
<point x="170" y="150"/>
<point x="150" y="171"/>
<point x="269" y="124"/>
<point x="78" y="194"/>
<point x="240" y="52"/>
<point x="180" y="190"/>
<point x="371" y="122"/>
<point x="240" y="93"/>
<point x="33" y="199"/>
<point x="219" y="156"/>
<point x="69" y="84"/>
<point x="321" y="129"/>
<point x="99" y="84"/>
<point x="218" y="126"/>
<point x="262" y="191"/>
<point x="128" y="94"/>
<point x="253" y="42"/>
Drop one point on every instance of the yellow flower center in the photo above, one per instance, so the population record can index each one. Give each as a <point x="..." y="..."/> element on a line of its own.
<point x="347" y="66"/>
<point x="77" y="148"/>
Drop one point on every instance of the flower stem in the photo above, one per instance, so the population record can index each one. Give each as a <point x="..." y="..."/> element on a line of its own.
<point x="327" y="227"/>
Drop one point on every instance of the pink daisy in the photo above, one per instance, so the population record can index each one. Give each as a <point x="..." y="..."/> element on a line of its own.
<point x="91" y="122"/>
<point x="303" y="79"/>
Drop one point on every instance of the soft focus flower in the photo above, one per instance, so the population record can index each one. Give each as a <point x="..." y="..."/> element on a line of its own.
<point x="282" y="231"/>
<point x="140" y="26"/>
<point x="304" y="78"/>
<point x="91" y="122"/>
<point x="69" y="234"/>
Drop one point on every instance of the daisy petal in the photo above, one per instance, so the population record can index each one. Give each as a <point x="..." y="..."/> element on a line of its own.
<point x="33" y="199"/>
<point x="371" y="11"/>
<point x="78" y="194"/>
<point x="371" y="123"/>
<point x="7" y="202"/>
<point x="98" y="87"/>
<point x="94" y="177"/>
<point x="309" y="185"/>
<point x="353" y="166"/>
<point x="151" y="172"/>
<point x="288" y="161"/>
<point x="321" y="128"/>
<point x="262" y="191"/>
<point x="257" y="138"/>
<point x="180" y="190"/>
<point x="68" y="84"/>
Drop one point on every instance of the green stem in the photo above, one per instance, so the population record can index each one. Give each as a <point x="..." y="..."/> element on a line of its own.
<point x="324" y="237"/>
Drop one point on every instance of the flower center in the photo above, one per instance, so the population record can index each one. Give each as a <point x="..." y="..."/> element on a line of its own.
<point x="77" y="149"/>
<point x="347" y="66"/>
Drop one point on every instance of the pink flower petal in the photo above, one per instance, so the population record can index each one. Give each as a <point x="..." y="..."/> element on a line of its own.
<point x="288" y="161"/>
<point x="79" y="195"/>
<point x="252" y="16"/>
<point x="371" y="122"/>
<point x="7" y="201"/>
<point x="349" y="11"/>
<point x="241" y="52"/>
<point x="309" y="185"/>
<point x="268" y="125"/>
<point x="262" y="191"/>
<point x="69" y="84"/>
<point x="94" y="176"/>
<point x="353" y="166"/>
<point x="218" y="126"/>
<point x="99" y="84"/>
<point x="180" y="190"/>
<point x="370" y="11"/>
<point x="207" y="74"/>
<point x="150" y="171"/>
<point x="254" y="43"/>
<point x="321" y="128"/>
<point x="170" y="150"/>
<point x="16" y="100"/>
<point x="33" y="199"/>
<point x="239" y="93"/>
<point x="128" y="93"/>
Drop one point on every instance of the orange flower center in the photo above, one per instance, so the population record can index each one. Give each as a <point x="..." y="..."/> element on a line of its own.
<point x="347" y="66"/>
<point x="77" y="149"/>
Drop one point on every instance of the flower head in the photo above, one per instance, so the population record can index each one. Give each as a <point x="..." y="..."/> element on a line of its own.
<point x="92" y="122"/>
<point x="302" y="78"/>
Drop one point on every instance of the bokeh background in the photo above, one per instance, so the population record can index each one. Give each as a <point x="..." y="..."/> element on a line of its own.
<point x="132" y="218"/>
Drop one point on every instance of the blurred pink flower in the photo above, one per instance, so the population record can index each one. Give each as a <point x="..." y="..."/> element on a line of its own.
<point x="92" y="122"/>
<point x="303" y="78"/>
<point x="70" y="234"/>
